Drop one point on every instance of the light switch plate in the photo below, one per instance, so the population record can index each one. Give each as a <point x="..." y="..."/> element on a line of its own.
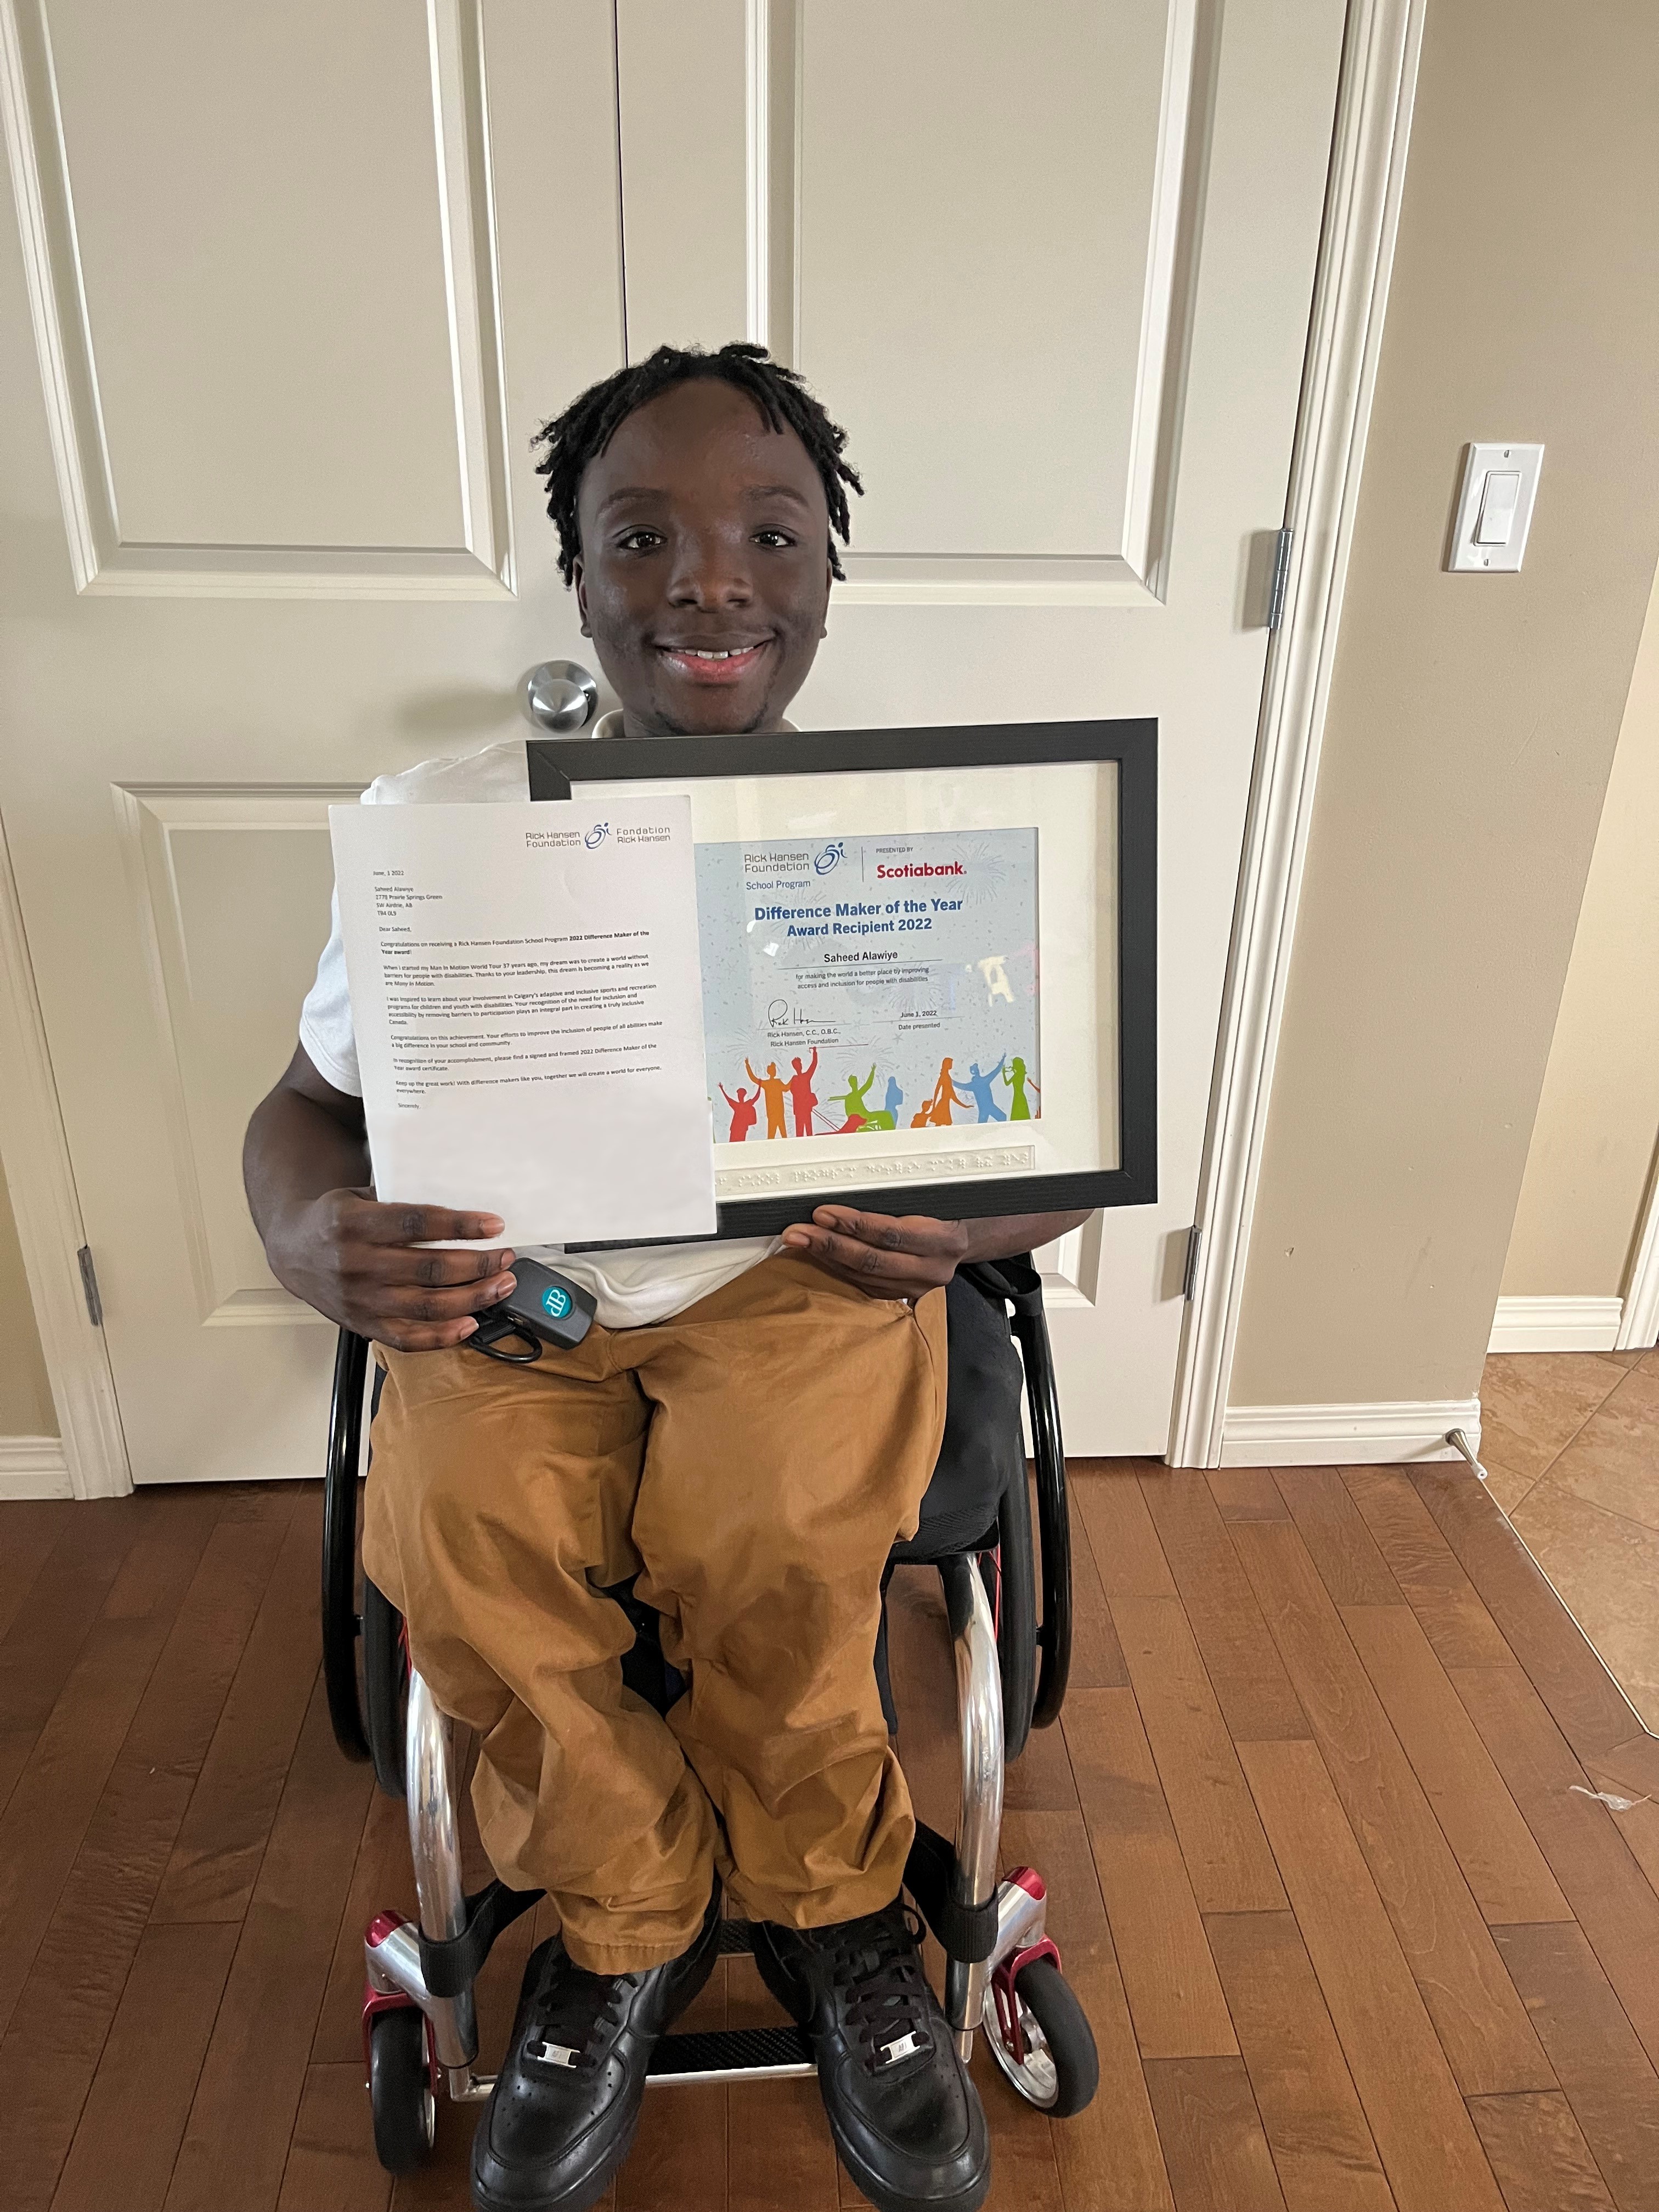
<point x="1469" y="552"/>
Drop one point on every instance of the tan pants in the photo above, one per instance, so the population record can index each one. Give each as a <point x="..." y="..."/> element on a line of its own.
<point x="752" y="1460"/>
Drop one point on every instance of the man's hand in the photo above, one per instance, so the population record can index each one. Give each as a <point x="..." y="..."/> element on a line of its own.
<point x="355" y="1261"/>
<point x="887" y="1257"/>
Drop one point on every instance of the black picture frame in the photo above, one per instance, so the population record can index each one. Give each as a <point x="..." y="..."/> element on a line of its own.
<point x="557" y="764"/>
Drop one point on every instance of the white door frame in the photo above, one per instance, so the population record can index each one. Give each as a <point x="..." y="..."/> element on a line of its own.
<point x="47" y="1212"/>
<point x="1638" y="1320"/>
<point x="1372" y="125"/>
<point x="1350" y="290"/>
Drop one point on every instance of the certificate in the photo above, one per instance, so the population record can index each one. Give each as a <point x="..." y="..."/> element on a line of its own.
<point x="870" y="984"/>
<point x="927" y="960"/>
<point x="526" y="999"/>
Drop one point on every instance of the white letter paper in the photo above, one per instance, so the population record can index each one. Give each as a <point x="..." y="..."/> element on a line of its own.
<point x="528" y="1010"/>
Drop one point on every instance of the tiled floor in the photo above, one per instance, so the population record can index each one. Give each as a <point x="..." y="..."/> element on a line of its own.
<point x="1571" y="1444"/>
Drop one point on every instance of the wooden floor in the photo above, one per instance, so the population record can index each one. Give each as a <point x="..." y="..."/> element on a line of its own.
<point x="1329" y="1869"/>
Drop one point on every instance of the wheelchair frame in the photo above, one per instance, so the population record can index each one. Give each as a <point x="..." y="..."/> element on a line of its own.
<point x="992" y="1932"/>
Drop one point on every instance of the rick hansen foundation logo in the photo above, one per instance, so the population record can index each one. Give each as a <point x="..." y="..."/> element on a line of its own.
<point x="597" y="835"/>
<point x="829" y="858"/>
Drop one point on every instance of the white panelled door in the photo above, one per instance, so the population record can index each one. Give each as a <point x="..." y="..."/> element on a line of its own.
<point x="290" y="291"/>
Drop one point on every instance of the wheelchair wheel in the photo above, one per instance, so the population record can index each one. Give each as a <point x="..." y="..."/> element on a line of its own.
<point x="400" y="2089"/>
<point x="1017" y="1630"/>
<point x="385" y="1687"/>
<point x="1058" y="2069"/>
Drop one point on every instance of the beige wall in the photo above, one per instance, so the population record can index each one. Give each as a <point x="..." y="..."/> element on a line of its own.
<point x="1472" y="718"/>
<point x="25" y="1408"/>
<point x="1598" y="1120"/>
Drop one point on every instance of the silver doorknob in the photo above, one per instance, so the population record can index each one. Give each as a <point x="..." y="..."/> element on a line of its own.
<point x="560" y="695"/>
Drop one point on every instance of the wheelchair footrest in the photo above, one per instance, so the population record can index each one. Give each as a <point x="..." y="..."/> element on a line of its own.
<point x="732" y="2054"/>
<point x="737" y="1939"/>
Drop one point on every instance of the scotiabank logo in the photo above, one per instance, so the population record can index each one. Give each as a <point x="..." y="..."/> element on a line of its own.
<point x="924" y="868"/>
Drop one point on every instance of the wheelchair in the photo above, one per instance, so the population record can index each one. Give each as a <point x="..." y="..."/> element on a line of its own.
<point x="1002" y="1970"/>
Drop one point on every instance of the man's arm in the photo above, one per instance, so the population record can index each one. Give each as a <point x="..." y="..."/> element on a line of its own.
<point x="305" y="1164"/>
<point x="893" y="1258"/>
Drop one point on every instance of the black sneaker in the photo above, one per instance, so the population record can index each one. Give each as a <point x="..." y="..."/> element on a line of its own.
<point x="561" y="2117"/>
<point x="906" y="2119"/>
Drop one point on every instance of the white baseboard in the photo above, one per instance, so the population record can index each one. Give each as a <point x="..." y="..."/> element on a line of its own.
<point x="1556" y="1324"/>
<point x="1347" y="1435"/>
<point x="33" y="1467"/>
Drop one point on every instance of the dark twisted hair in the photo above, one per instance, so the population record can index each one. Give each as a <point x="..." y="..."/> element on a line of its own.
<point x="587" y="426"/>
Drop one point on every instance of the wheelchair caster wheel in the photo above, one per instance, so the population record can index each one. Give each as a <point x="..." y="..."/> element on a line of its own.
<point x="1039" y="2036"/>
<point x="400" y="2089"/>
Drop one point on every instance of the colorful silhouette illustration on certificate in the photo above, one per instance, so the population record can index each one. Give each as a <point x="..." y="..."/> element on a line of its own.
<point x="936" y="1114"/>
<point x="802" y="1096"/>
<point x="1019" y="1082"/>
<point x="854" y="1103"/>
<point x="744" y="1112"/>
<point x="771" y="1086"/>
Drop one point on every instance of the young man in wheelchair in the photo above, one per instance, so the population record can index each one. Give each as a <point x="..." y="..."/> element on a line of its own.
<point x="747" y="1429"/>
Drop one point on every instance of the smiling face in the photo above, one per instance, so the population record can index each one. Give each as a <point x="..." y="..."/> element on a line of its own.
<point x="704" y="575"/>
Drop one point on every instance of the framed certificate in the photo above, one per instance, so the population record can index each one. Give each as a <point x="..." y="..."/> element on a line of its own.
<point x="928" y="960"/>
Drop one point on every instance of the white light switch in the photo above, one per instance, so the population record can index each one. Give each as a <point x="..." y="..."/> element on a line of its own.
<point x="1494" y="508"/>
<point x="1496" y="519"/>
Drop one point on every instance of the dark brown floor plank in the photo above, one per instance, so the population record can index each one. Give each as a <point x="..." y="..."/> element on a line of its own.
<point x="48" y="2054"/>
<point x="679" y="2155"/>
<point x="1339" y="1543"/>
<point x="1422" y="2130"/>
<point x="55" y="1618"/>
<point x="1212" y="2135"/>
<point x="778" y="2149"/>
<point x="1097" y="1660"/>
<point x="1586" y="1703"/>
<point x="1041" y="1780"/>
<point x="1108" y="2157"/>
<point x="30" y="1529"/>
<point x="1476" y="2014"/>
<point x="215" y="1862"/>
<point x="1608" y="2078"/>
<point x="1243" y="1665"/>
<point x="235" y="2145"/>
<point x="58" y="1792"/>
<point x="1462" y="1631"/>
<point x="331" y="2165"/>
<point x="1228" y="1861"/>
<point x="134" y="2116"/>
<point x="1310" y="2110"/>
<point x="1541" y="2158"/>
<point x="382" y="1880"/>
<point x="1121" y="1537"/>
<point x="1247" y="1493"/>
<point x="1501" y="1862"/>
<point x="1024" y="2176"/>
<point x="1175" y="1997"/>
<point x="1610" y="1896"/>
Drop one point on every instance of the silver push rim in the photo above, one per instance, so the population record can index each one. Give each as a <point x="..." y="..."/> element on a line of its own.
<point x="1034" y="2076"/>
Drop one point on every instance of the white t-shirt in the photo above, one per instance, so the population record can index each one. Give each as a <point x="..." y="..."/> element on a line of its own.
<point x="632" y="1288"/>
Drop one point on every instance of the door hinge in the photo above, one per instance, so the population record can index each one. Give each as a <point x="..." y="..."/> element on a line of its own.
<point x="90" y="1285"/>
<point x="1195" y="1245"/>
<point x="1281" y="577"/>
